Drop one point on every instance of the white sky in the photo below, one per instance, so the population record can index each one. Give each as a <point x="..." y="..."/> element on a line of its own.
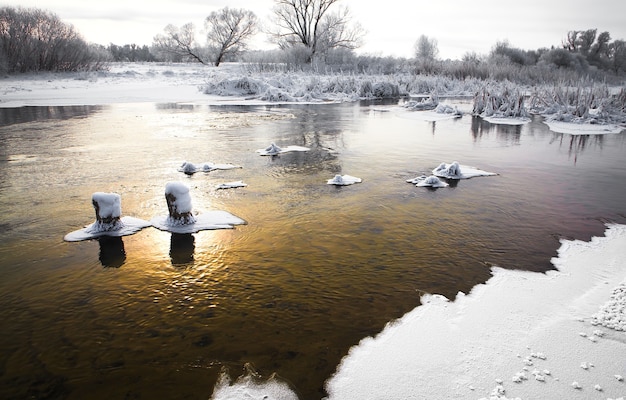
<point x="392" y="26"/>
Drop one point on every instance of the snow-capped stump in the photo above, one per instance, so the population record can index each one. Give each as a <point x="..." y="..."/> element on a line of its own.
<point x="343" y="180"/>
<point x="109" y="220"/>
<point x="576" y="385"/>
<point x="181" y="219"/>
<point x="108" y="207"/>
<point x="458" y="171"/>
<point x="190" y="168"/>
<point x="427" y="181"/>
<point x="273" y="150"/>
<point x="179" y="203"/>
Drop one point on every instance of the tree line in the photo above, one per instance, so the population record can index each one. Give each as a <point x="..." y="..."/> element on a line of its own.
<point x="37" y="40"/>
<point x="306" y="32"/>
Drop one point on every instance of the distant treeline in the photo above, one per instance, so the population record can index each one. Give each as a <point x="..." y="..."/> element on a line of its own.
<point x="37" y="40"/>
<point x="34" y="40"/>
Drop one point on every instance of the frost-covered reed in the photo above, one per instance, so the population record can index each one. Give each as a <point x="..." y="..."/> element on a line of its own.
<point x="500" y="100"/>
<point x="583" y="103"/>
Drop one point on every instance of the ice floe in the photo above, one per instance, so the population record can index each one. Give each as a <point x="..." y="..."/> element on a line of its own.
<point x="507" y="120"/>
<point x="343" y="180"/>
<point x="458" y="171"/>
<point x="190" y="168"/>
<point x="182" y="220"/>
<point x="582" y="129"/>
<point x="425" y="111"/>
<point x="109" y="220"/>
<point x="231" y="185"/>
<point x="427" y="181"/>
<point x="273" y="150"/>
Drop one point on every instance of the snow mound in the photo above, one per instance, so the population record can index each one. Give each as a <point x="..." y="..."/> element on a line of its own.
<point x="343" y="180"/>
<point x="613" y="313"/>
<point x="425" y="104"/>
<point x="458" y="171"/>
<point x="273" y="150"/>
<point x="427" y="181"/>
<point x="251" y="386"/>
<point x="109" y="222"/>
<point x="190" y="168"/>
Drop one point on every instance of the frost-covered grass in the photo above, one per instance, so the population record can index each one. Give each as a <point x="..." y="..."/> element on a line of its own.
<point x="584" y="103"/>
<point x="313" y="87"/>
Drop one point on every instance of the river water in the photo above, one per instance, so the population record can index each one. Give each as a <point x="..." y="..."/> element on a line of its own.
<point x="315" y="269"/>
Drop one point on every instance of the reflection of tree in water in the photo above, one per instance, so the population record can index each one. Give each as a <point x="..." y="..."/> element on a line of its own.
<point x="317" y="127"/>
<point x="506" y="134"/>
<point x="112" y="253"/>
<point x="176" y="107"/>
<point x="20" y="115"/>
<point x="576" y="144"/>
<point x="182" y="247"/>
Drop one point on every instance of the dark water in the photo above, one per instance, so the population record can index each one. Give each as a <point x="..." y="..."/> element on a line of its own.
<point x="316" y="268"/>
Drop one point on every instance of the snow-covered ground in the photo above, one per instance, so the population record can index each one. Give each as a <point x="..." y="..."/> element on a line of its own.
<point x="521" y="334"/>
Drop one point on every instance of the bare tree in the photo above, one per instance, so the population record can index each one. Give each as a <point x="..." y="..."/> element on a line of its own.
<point x="309" y="23"/>
<point x="178" y="43"/>
<point x="228" y="31"/>
<point x="426" y="49"/>
<point x="37" y="40"/>
<point x="618" y="55"/>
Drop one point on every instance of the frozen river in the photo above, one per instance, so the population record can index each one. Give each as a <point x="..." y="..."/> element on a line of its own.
<point x="316" y="268"/>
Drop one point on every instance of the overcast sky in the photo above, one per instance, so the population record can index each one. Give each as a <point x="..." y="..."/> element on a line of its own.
<point x="392" y="26"/>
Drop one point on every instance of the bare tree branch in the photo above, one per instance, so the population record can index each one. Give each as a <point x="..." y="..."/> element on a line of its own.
<point x="228" y="31"/>
<point x="310" y="24"/>
<point x="179" y="43"/>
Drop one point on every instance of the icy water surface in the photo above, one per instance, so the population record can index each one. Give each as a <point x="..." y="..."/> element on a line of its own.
<point x="317" y="267"/>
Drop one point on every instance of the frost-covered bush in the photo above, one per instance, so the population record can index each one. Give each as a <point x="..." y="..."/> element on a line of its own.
<point x="276" y="95"/>
<point x="242" y="86"/>
<point x="385" y="90"/>
<point x="503" y="101"/>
